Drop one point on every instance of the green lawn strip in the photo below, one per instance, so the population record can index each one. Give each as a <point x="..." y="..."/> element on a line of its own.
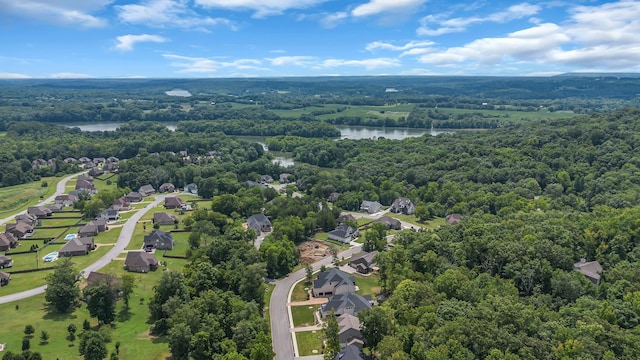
<point x="57" y="221"/>
<point x="308" y="341"/>
<point x="368" y="285"/>
<point x="303" y="315"/>
<point x="108" y="237"/>
<point x="299" y="293"/>
<point x="321" y="236"/>
<point x="138" y="236"/>
<point x="14" y="199"/>
<point x="181" y="243"/>
<point x="267" y="300"/>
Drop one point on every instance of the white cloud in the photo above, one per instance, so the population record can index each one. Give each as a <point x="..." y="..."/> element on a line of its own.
<point x="168" y="13"/>
<point x="332" y="20"/>
<point x="387" y="46"/>
<point x="292" y="60"/>
<point x="261" y="8"/>
<point x="600" y="38"/>
<point x="126" y="42"/>
<point x="445" y="26"/>
<point x="66" y="12"/>
<point x="69" y="75"/>
<point x="7" y="75"/>
<point x="206" y="65"/>
<point x="369" y="64"/>
<point x="374" y="7"/>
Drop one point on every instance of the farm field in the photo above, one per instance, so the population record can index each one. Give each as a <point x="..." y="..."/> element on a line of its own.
<point x="14" y="199"/>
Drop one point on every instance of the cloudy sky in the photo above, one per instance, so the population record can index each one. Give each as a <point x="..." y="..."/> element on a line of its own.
<point x="238" y="38"/>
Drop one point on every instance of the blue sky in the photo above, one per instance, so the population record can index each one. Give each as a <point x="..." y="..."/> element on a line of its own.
<point x="270" y="38"/>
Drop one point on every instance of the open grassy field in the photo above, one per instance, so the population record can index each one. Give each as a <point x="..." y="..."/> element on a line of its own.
<point x="16" y="198"/>
<point x="303" y="315"/>
<point x="368" y="285"/>
<point x="309" y="342"/>
<point x="130" y="328"/>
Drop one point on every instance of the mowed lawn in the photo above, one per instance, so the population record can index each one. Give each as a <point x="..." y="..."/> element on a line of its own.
<point x="368" y="285"/>
<point x="14" y="199"/>
<point x="130" y="329"/>
<point x="309" y="342"/>
<point x="303" y="315"/>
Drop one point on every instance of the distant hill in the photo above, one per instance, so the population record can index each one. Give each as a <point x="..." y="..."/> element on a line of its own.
<point x="599" y="74"/>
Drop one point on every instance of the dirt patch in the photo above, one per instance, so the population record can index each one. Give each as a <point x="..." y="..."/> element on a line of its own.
<point x="312" y="251"/>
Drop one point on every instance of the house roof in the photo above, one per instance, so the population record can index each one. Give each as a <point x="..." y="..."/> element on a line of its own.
<point x="334" y="276"/>
<point x="5" y="276"/>
<point x="343" y="231"/>
<point x="22" y="227"/>
<point x="158" y="236"/>
<point x="349" y="299"/>
<point x="122" y="201"/>
<point x="366" y="256"/>
<point x="134" y="194"/>
<point x="590" y="269"/>
<point x="146" y="189"/>
<point x="350" y="352"/>
<point x="401" y="202"/>
<point x="66" y="197"/>
<point x="164" y="217"/>
<point x="7" y="238"/>
<point x="453" y="219"/>
<point x="173" y="201"/>
<point x="73" y="246"/>
<point x="89" y="228"/>
<point x="348" y="321"/>
<point x="139" y="258"/>
<point x="258" y="219"/>
<point x="86" y="240"/>
<point x="4" y="259"/>
<point x="389" y="221"/>
<point x="26" y="217"/>
<point x="346" y="217"/>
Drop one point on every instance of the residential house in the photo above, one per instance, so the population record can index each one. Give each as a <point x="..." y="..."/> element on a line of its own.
<point x="191" y="189"/>
<point x="344" y="218"/>
<point x="133" y="196"/>
<point x="167" y="187"/>
<point x="260" y="223"/>
<point x="27" y="218"/>
<point x="70" y="160"/>
<point x="5" y="262"/>
<point x="39" y="211"/>
<point x="66" y="199"/>
<point x="7" y="241"/>
<point x="284" y="178"/>
<point x="109" y="215"/>
<point x="333" y="282"/>
<point x="4" y="279"/>
<point x="266" y="179"/>
<point x="363" y="262"/>
<point x="251" y="183"/>
<point x="453" y="219"/>
<point x="146" y="190"/>
<point x="346" y="303"/>
<point x="371" y="206"/>
<point x="173" y="202"/>
<point x="93" y="228"/>
<point x="84" y="177"/>
<point x="77" y="247"/>
<point x="54" y="208"/>
<point x="344" y="234"/>
<point x="110" y="167"/>
<point x="403" y="205"/>
<point x="164" y="218"/>
<point x="84" y="160"/>
<point x="121" y="204"/>
<point x="590" y="269"/>
<point x="160" y="240"/>
<point x="88" y="165"/>
<point x="389" y="223"/>
<point x="112" y="159"/>
<point x="86" y="186"/>
<point x="95" y="171"/>
<point x="351" y="352"/>
<point x="140" y="261"/>
<point x="349" y="333"/>
<point x="20" y="230"/>
<point x="99" y="160"/>
<point x="333" y="197"/>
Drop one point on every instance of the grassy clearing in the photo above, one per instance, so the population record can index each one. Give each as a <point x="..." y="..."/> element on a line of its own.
<point x="299" y="293"/>
<point x="16" y="198"/>
<point x="130" y="328"/>
<point x="309" y="342"/>
<point x="303" y="315"/>
<point x="368" y="285"/>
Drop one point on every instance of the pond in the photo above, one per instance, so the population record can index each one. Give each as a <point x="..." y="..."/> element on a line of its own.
<point x="366" y="132"/>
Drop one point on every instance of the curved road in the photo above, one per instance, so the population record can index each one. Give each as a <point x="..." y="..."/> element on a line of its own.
<point x="279" y="314"/>
<point x="121" y="244"/>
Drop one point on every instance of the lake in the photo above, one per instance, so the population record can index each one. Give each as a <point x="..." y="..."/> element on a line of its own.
<point x="366" y="132"/>
<point x="108" y="126"/>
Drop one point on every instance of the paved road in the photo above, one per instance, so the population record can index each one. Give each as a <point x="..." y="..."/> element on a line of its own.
<point x="279" y="314"/>
<point x="123" y="240"/>
<point x="60" y="189"/>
